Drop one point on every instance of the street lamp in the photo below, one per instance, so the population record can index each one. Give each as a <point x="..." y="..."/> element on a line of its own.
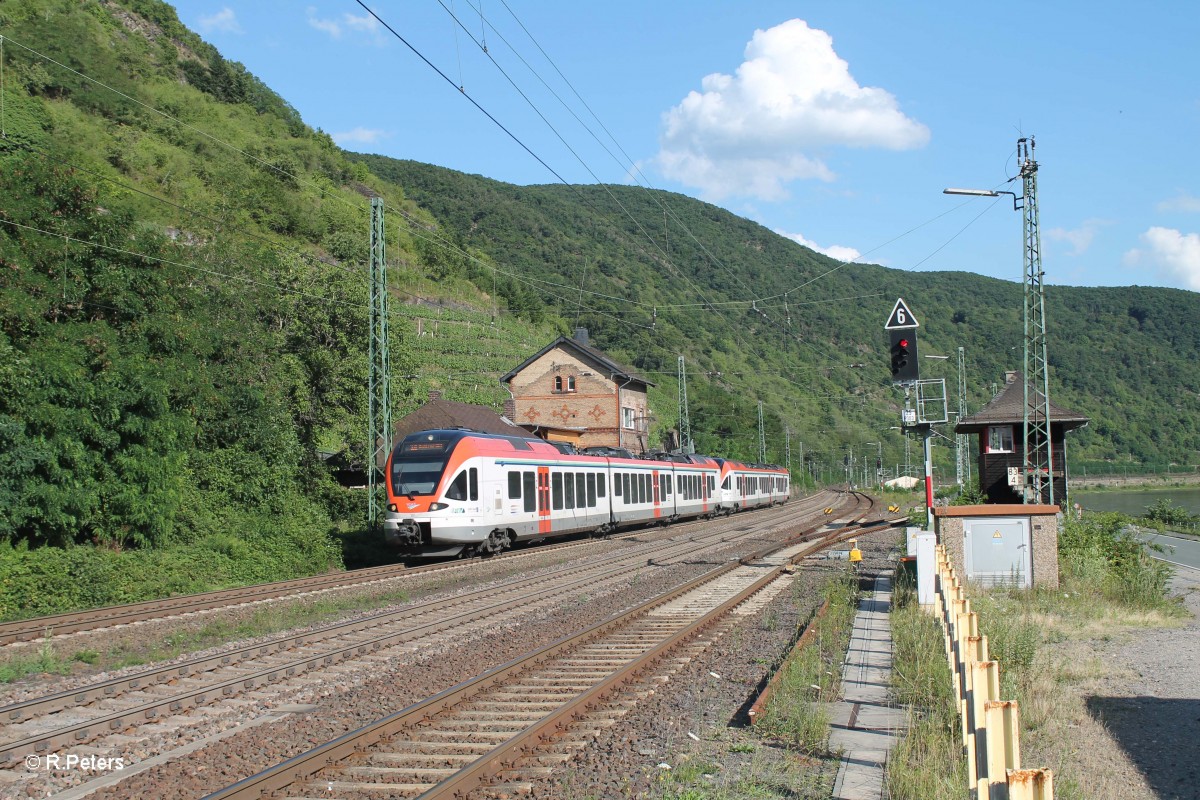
<point x="986" y="193"/>
<point x="1038" y="456"/>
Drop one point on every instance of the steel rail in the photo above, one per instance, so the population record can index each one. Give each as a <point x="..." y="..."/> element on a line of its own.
<point x="306" y="765"/>
<point x="119" y="720"/>
<point x="33" y="628"/>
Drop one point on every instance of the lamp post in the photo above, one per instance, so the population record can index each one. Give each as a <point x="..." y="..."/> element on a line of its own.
<point x="1038" y="456"/>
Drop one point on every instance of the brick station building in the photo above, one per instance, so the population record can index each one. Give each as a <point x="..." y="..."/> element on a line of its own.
<point x="570" y="391"/>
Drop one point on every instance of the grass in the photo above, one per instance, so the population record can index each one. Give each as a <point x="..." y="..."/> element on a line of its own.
<point x="1047" y="641"/>
<point x="798" y="714"/>
<point x="268" y="620"/>
<point x="927" y="762"/>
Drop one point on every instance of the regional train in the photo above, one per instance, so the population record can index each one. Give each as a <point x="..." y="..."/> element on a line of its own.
<point x="459" y="492"/>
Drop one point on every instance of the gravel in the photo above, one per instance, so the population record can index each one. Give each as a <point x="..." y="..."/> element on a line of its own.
<point x="1152" y="709"/>
<point x="708" y="700"/>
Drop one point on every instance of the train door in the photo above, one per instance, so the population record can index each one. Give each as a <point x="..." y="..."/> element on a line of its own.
<point x="655" y="490"/>
<point x="543" y="499"/>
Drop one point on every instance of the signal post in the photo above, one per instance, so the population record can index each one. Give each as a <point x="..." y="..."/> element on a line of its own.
<point x="924" y="401"/>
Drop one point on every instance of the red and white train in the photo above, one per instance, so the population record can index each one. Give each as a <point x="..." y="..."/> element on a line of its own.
<point x="452" y="492"/>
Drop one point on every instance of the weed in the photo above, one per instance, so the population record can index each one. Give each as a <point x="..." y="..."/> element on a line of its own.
<point x="86" y="656"/>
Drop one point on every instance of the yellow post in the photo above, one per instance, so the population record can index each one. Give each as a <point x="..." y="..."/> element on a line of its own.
<point x="985" y="688"/>
<point x="1002" y="744"/>
<point x="1030" y="784"/>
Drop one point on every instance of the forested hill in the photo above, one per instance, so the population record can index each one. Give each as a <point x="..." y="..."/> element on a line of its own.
<point x="183" y="294"/>
<point x="1127" y="357"/>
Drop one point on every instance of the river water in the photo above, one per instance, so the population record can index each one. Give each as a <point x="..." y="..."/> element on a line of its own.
<point x="1134" y="501"/>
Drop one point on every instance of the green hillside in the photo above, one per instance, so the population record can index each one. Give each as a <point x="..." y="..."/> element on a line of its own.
<point x="183" y="320"/>
<point x="1127" y="357"/>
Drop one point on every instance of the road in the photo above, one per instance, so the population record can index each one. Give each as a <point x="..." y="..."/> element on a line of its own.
<point x="1181" y="550"/>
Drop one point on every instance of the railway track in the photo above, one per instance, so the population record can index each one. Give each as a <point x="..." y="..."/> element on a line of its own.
<point x="37" y="628"/>
<point x="527" y="715"/>
<point x="121" y="705"/>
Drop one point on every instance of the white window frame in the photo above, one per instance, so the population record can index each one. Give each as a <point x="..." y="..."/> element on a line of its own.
<point x="992" y="439"/>
<point x="628" y="418"/>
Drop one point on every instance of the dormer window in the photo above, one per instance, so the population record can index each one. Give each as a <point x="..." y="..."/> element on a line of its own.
<point x="558" y="383"/>
<point x="570" y="383"/>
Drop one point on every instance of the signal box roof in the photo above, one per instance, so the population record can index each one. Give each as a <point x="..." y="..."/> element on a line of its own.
<point x="1008" y="408"/>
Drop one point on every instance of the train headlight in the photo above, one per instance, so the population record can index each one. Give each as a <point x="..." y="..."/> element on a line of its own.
<point x="438" y="506"/>
<point x="392" y="507"/>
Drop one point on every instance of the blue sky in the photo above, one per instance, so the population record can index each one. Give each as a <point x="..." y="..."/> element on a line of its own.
<point x="835" y="123"/>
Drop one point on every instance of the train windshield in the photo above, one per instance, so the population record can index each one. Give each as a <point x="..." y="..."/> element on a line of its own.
<point x="412" y="476"/>
<point x="417" y="464"/>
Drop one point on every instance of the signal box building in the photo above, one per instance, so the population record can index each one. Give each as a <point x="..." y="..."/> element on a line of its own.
<point x="999" y="426"/>
<point x="570" y="391"/>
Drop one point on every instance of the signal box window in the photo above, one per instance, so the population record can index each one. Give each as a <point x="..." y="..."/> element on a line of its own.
<point x="1000" y="439"/>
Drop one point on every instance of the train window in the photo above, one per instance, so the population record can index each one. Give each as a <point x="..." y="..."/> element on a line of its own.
<point x="581" y="489"/>
<point x="679" y="483"/>
<point x="556" y="493"/>
<point x="474" y="483"/>
<point x="529" y="480"/>
<point x="514" y="485"/>
<point x="616" y="484"/>
<point x="625" y="480"/>
<point x="725" y="483"/>
<point x="569" y="480"/>
<point x="591" y="489"/>
<point x="600" y="485"/>
<point x="458" y="488"/>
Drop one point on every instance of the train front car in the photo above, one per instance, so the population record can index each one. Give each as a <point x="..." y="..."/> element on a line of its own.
<point x="445" y="497"/>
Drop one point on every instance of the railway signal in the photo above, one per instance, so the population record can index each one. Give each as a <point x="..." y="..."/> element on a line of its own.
<point x="905" y="368"/>
<point x="902" y="327"/>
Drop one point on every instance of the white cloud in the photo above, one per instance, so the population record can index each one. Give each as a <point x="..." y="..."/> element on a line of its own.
<point x="224" y="21"/>
<point x="1175" y="255"/>
<point x="840" y="252"/>
<point x="1181" y="202"/>
<point x="1080" y="238"/>
<point x="359" y="136"/>
<point x="365" y="24"/>
<point x="754" y="132"/>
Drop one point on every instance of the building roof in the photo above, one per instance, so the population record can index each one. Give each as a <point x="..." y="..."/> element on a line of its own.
<point x="585" y="350"/>
<point x="439" y="414"/>
<point x="1008" y="408"/>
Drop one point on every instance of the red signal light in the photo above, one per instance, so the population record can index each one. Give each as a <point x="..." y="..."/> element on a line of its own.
<point x="903" y="342"/>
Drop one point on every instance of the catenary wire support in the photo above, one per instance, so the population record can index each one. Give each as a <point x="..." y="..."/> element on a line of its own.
<point x="1038" y="447"/>
<point x="961" y="442"/>
<point x="379" y="382"/>
<point x="762" y="436"/>
<point x="685" y="419"/>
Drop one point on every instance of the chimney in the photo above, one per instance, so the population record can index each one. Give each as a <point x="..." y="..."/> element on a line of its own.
<point x="581" y="335"/>
<point x="435" y="394"/>
<point x="1010" y="377"/>
<point x="510" y="410"/>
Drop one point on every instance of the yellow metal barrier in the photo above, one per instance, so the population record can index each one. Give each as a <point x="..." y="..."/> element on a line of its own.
<point x="990" y="726"/>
